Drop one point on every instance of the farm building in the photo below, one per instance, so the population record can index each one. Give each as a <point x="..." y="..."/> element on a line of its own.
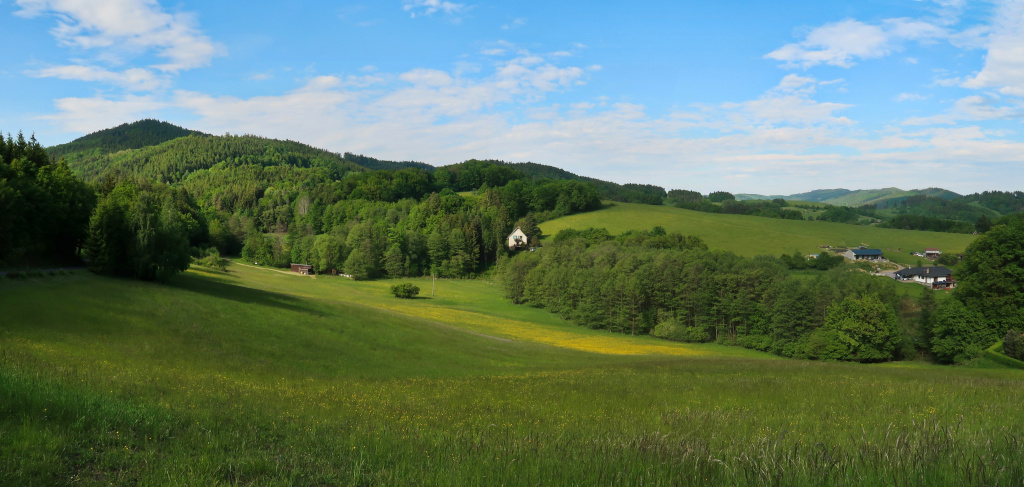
<point x="517" y="239"/>
<point x="863" y="254"/>
<point x="932" y="253"/>
<point x="937" y="277"/>
<point x="303" y="269"/>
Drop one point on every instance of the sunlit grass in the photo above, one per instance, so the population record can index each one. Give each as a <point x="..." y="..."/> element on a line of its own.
<point x="255" y="377"/>
<point x="751" y="235"/>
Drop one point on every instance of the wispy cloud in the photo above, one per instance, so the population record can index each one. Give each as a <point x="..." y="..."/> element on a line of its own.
<point x="1004" y="63"/>
<point x="430" y="7"/>
<point x="902" y="97"/>
<point x="514" y="24"/>
<point x="845" y="42"/>
<point x="124" y="28"/>
<point x="133" y="79"/>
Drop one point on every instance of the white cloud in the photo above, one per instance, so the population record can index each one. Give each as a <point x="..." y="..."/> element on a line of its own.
<point x="842" y="43"/>
<point x="134" y="79"/>
<point x="126" y="27"/>
<point x="902" y="97"/>
<point x="516" y="23"/>
<point x="430" y="7"/>
<point x="784" y="140"/>
<point x="493" y="52"/>
<point x="87" y="115"/>
<point x="427" y="77"/>
<point x="972" y="108"/>
<point x="1004" y="62"/>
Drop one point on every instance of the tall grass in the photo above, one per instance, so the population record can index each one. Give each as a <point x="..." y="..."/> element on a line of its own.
<point x="257" y="378"/>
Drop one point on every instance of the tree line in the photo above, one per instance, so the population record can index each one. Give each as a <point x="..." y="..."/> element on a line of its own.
<point x="674" y="287"/>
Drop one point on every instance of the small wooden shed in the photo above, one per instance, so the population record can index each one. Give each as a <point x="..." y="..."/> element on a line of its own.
<point x="303" y="269"/>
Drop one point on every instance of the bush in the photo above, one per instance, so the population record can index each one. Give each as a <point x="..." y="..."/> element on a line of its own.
<point x="1013" y="344"/>
<point x="212" y="260"/>
<point x="670" y="329"/>
<point x="405" y="290"/>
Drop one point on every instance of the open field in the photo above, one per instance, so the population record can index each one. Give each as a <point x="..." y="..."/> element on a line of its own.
<point x="752" y="235"/>
<point x="258" y="377"/>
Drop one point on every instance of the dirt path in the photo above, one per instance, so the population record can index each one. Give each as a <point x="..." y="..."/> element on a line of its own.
<point x="290" y="273"/>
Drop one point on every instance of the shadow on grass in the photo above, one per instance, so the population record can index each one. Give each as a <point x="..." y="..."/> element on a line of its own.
<point x="246" y="295"/>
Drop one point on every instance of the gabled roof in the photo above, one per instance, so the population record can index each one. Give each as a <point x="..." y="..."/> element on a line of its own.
<point x="930" y="249"/>
<point x="866" y="251"/>
<point x="935" y="271"/>
<point x="514" y="232"/>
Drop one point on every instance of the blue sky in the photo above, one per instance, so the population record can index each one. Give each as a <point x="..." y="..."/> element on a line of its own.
<point x="744" y="96"/>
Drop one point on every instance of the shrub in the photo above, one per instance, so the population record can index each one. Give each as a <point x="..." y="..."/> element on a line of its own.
<point x="405" y="290"/>
<point x="1013" y="344"/>
<point x="670" y="329"/>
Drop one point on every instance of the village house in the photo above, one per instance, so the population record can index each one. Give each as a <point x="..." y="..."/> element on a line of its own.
<point x="863" y="254"/>
<point x="303" y="269"/>
<point x="932" y="253"/>
<point x="936" y="277"/>
<point x="517" y="240"/>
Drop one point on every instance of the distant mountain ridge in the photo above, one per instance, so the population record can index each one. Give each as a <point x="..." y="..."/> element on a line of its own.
<point x="860" y="197"/>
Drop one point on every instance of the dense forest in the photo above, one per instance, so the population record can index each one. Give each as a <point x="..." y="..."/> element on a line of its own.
<point x="44" y="208"/>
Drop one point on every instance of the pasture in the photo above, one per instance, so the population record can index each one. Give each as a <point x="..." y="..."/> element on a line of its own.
<point x="751" y="235"/>
<point x="256" y="377"/>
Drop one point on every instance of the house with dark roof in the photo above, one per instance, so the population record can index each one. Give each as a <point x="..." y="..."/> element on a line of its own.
<point x="938" y="277"/>
<point x="863" y="254"/>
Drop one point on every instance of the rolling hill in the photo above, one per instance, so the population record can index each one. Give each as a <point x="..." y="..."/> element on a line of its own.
<point x="845" y="197"/>
<point x="254" y="376"/>
<point x="751" y="235"/>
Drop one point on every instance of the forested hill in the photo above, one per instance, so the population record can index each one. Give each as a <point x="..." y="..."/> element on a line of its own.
<point x="135" y="135"/>
<point x="378" y="164"/>
<point x="628" y="193"/>
<point x="174" y="160"/>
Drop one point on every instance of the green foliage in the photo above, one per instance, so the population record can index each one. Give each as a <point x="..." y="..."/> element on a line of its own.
<point x="960" y="332"/>
<point x="377" y="164"/>
<point x="1013" y="344"/>
<point x="859" y="329"/>
<point x="672" y="286"/>
<point x="672" y="329"/>
<point x="139" y="231"/>
<point x="44" y="208"/>
<point x="991" y="276"/>
<point x="627" y="193"/>
<point x="212" y="260"/>
<point x="720" y="196"/>
<point x="406" y="290"/>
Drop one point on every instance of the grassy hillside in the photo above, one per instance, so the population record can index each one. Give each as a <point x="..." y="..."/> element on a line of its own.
<point x="751" y="235"/>
<point x="255" y="376"/>
<point x="845" y="197"/>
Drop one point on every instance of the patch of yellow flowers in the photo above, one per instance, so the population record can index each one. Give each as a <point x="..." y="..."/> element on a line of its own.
<point x="525" y="331"/>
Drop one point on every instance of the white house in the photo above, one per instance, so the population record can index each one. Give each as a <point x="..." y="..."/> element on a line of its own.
<point x="517" y="240"/>
<point x="937" y="277"/>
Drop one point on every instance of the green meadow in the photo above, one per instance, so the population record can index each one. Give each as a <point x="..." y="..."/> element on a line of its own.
<point x="752" y="235"/>
<point x="259" y="377"/>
